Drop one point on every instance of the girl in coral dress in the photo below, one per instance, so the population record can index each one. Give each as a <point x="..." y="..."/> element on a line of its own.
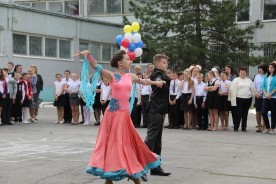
<point x="119" y="151"/>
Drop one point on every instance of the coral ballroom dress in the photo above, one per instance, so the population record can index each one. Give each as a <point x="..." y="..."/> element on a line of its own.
<point x="119" y="151"/>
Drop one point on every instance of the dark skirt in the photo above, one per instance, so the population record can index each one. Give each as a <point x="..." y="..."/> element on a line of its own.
<point x="97" y="103"/>
<point x="82" y="103"/>
<point x="60" y="102"/>
<point x="212" y="101"/>
<point x="258" y="104"/>
<point x="224" y="104"/>
<point x="26" y="102"/>
<point x="184" y="99"/>
<point x="1" y="101"/>
<point x="74" y="101"/>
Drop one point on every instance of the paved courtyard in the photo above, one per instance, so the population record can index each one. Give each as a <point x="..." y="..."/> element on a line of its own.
<point x="47" y="153"/>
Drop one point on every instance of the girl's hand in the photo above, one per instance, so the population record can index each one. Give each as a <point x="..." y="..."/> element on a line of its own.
<point x="196" y="106"/>
<point x="203" y="105"/>
<point x="190" y="102"/>
<point x="84" y="53"/>
<point x="21" y="101"/>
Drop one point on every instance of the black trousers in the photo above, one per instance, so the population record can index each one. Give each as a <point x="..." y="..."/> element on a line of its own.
<point x="154" y="133"/>
<point x="17" y="111"/>
<point x="173" y="113"/>
<point x="180" y="121"/>
<point x="241" y="112"/>
<point x="136" y="114"/>
<point x="145" y="102"/>
<point x="67" y="109"/>
<point x="6" y="110"/>
<point x="202" y="114"/>
<point x="269" y="105"/>
<point x="104" y="106"/>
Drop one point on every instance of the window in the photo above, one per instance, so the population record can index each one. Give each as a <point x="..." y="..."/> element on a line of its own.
<point x="55" y="7"/>
<point x="72" y="7"/>
<point x="35" y="46"/>
<point x="64" y="49"/>
<point x="243" y="14"/>
<point x="269" y="9"/>
<point x="114" y="50"/>
<point x="40" y="5"/>
<point x="96" y="7"/>
<point x="19" y="44"/>
<point x="23" y="3"/>
<point x="83" y="46"/>
<point x="126" y="7"/>
<point x="106" y="53"/>
<point x="50" y="47"/>
<point x="103" y="7"/>
<point x="270" y="50"/>
<point x="113" y="6"/>
<point x="95" y="50"/>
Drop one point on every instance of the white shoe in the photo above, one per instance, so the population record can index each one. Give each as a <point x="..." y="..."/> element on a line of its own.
<point x="34" y="121"/>
<point x="56" y="122"/>
<point x="85" y="124"/>
<point x="272" y="131"/>
<point x="26" y="122"/>
<point x="61" y="122"/>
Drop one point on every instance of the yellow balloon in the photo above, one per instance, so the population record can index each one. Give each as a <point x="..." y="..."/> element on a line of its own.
<point x="127" y="29"/>
<point x="135" y="26"/>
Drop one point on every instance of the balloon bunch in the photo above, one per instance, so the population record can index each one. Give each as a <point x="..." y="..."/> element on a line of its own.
<point x="131" y="42"/>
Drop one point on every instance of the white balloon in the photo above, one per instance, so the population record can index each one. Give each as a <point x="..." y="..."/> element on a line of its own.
<point x="123" y="48"/>
<point x="129" y="36"/>
<point x="136" y="37"/>
<point x="138" y="52"/>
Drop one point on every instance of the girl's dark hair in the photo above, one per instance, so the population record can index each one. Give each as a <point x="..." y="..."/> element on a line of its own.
<point x="242" y="68"/>
<point x="1" y="75"/>
<point x="274" y="66"/>
<point x="118" y="57"/>
<point x="228" y="66"/>
<point x="263" y="67"/>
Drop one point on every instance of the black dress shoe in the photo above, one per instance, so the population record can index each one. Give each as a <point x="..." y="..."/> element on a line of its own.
<point x="176" y="127"/>
<point x="244" y="130"/>
<point x="199" y="128"/>
<point x="159" y="172"/>
<point x="143" y="126"/>
<point x="236" y="130"/>
<point x="167" y="126"/>
<point x="144" y="177"/>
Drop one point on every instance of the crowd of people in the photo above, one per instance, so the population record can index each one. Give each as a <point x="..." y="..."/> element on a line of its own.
<point x="19" y="92"/>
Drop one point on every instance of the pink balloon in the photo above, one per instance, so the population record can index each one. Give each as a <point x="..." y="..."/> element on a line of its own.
<point x="125" y="42"/>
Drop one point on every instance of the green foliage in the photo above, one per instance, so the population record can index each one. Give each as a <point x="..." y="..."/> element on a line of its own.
<point x="196" y="32"/>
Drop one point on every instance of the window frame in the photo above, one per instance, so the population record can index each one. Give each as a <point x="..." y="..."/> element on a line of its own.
<point x="262" y="13"/>
<point x="250" y="11"/>
<point x="105" y="9"/>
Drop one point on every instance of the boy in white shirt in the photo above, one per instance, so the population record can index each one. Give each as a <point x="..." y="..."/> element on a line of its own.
<point x="145" y="93"/>
<point x="105" y="94"/>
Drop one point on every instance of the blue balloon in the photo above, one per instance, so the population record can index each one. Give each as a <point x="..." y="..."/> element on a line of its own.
<point x="131" y="47"/>
<point x="133" y="32"/>
<point x="140" y="44"/>
<point x="119" y="39"/>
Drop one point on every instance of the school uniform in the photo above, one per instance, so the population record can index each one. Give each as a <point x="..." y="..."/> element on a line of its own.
<point x="20" y="96"/>
<point x="145" y="94"/>
<point x="28" y="91"/>
<point x="174" y="89"/>
<point x="185" y="95"/>
<point x="74" y="87"/>
<point x="105" y="97"/>
<point x="212" y="101"/>
<point x="202" y="113"/>
<point x="67" y="107"/>
<point x="60" y="102"/>
<point x="137" y="109"/>
<point x="224" y="104"/>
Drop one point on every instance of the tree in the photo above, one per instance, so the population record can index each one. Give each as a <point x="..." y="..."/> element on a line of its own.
<point x="201" y="32"/>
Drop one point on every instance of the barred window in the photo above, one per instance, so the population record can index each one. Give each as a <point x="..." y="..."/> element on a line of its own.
<point x="35" y="46"/>
<point x="40" y="5"/>
<point x="19" y="44"/>
<point x="95" y="50"/>
<point x="72" y="7"/>
<point x="113" y="6"/>
<point x="96" y="7"/>
<point x="50" y="47"/>
<point x="269" y="9"/>
<point x="55" y="7"/>
<point x="270" y="50"/>
<point x="64" y="49"/>
<point x="243" y="15"/>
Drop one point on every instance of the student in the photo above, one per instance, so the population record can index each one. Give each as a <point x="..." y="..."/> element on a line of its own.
<point x="34" y="101"/>
<point x="187" y="95"/>
<point x="73" y="91"/>
<point x="136" y="111"/>
<point x="59" y="102"/>
<point x="2" y="86"/>
<point x="86" y="110"/>
<point x="67" y="107"/>
<point x="195" y="69"/>
<point x="199" y="101"/>
<point x="212" y="102"/>
<point x="224" y="104"/>
<point x="174" y="88"/>
<point x="97" y="105"/>
<point x="105" y="94"/>
<point x="180" y="121"/>
<point x="269" y="101"/>
<point x="10" y="66"/>
<point x="20" y="95"/>
<point x="27" y="98"/>
<point x="145" y="94"/>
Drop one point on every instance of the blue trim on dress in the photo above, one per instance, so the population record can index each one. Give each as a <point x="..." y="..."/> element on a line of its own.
<point x="117" y="77"/>
<point x="114" y="105"/>
<point x="121" y="174"/>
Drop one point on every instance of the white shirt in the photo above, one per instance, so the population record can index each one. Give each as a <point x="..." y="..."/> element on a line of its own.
<point x="74" y="86"/>
<point x="58" y="86"/>
<point x="146" y="89"/>
<point x="177" y="85"/>
<point x="185" y="88"/>
<point x="105" y="91"/>
<point x="199" y="91"/>
<point x="224" y="86"/>
<point x="244" y="88"/>
<point x="258" y="81"/>
<point x="66" y="81"/>
<point x="1" y="86"/>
